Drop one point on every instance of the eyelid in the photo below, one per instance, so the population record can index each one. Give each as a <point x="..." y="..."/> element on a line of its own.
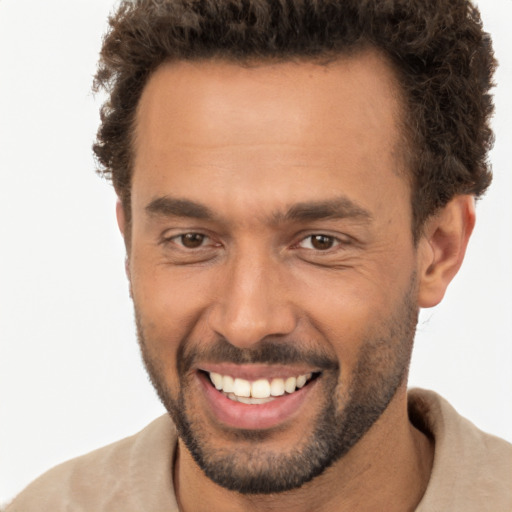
<point x="338" y="240"/>
<point x="335" y="242"/>
<point x="204" y="240"/>
<point x="174" y="236"/>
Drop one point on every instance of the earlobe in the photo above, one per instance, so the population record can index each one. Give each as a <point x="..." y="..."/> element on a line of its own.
<point x="442" y="248"/>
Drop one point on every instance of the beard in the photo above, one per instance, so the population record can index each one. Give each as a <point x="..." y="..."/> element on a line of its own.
<point x="346" y="413"/>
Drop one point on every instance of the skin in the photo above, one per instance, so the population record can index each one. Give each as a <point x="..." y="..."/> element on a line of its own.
<point x="249" y="144"/>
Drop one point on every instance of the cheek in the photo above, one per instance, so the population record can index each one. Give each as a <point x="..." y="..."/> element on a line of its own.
<point x="172" y="305"/>
<point x="343" y="323"/>
<point x="351" y="307"/>
<point x="168" y="296"/>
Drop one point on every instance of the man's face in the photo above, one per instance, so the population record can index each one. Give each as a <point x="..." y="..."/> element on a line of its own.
<point x="271" y="245"/>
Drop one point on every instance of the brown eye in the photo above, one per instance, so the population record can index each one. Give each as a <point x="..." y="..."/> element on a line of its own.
<point x="322" y="242"/>
<point x="192" y="240"/>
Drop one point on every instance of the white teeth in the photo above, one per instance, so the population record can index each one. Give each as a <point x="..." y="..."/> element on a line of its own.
<point x="277" y="387"/>
<point x="228" y="384"/>
<point x="242" y="387"/>
<point x="290" y="384"/>
<point x="216" y="378"/>
<point x="259" y="391"/>
<point x="301" y="381"/>
<point x="250" y="400"/>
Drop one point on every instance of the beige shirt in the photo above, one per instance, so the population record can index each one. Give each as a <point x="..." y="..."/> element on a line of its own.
<point x="472" y="470"/>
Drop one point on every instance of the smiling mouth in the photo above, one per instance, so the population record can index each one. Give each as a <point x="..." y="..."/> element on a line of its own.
<point x="258" y="391"/>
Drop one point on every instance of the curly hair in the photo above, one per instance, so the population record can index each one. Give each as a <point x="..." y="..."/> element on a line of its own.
<point x="442" y="58"/>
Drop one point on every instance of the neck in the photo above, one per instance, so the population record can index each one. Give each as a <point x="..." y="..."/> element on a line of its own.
<point x="389" y="467"/>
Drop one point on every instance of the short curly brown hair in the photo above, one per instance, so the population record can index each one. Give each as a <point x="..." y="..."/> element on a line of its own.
<point x="442" y="57"/>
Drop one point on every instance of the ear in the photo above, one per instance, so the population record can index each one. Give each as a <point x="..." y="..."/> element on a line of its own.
<point x="442" y="248"/>
<point x="121" y="222"/>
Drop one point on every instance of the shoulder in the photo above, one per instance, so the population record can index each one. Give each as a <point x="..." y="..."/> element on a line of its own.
<point x="472" y="470"/>
<point x="114" y="477"/>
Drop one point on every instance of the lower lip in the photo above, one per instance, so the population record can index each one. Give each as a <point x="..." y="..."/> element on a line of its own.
<point x="250" y="416"/>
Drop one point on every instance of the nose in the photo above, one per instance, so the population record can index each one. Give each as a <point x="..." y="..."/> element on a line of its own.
<point x="252" y="302"/>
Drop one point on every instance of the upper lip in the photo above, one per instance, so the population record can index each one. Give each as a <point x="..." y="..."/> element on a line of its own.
<point x="252" y="372"/>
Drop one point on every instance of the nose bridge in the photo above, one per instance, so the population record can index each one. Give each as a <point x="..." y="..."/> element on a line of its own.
<point x="251" y="302"/>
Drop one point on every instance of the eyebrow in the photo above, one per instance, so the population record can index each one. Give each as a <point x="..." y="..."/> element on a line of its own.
<point x="167" y="206"/>
<point x="337" y="208"/>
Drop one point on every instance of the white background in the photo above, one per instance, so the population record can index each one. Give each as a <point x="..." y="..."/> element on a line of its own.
<point x="70" y="376"/>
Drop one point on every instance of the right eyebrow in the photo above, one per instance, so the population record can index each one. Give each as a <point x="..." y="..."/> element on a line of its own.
<point x="167" y="206"/>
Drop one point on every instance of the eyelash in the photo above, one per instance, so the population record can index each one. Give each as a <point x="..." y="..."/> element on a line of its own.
<point x="332" y="241"/>
<point x="179" y="239"/>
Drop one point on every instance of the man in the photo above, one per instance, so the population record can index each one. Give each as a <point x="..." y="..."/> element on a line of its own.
<point x="296" y="179"/>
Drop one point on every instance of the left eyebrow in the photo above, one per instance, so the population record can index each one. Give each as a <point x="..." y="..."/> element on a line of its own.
<point x="337" y="208"/>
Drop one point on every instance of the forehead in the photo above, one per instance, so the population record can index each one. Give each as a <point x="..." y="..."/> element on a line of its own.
<point x="206" y="127"/>
<point x="305" y="94"/>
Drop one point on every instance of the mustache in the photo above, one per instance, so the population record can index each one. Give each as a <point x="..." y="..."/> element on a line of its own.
<point x="267" y="351"/>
